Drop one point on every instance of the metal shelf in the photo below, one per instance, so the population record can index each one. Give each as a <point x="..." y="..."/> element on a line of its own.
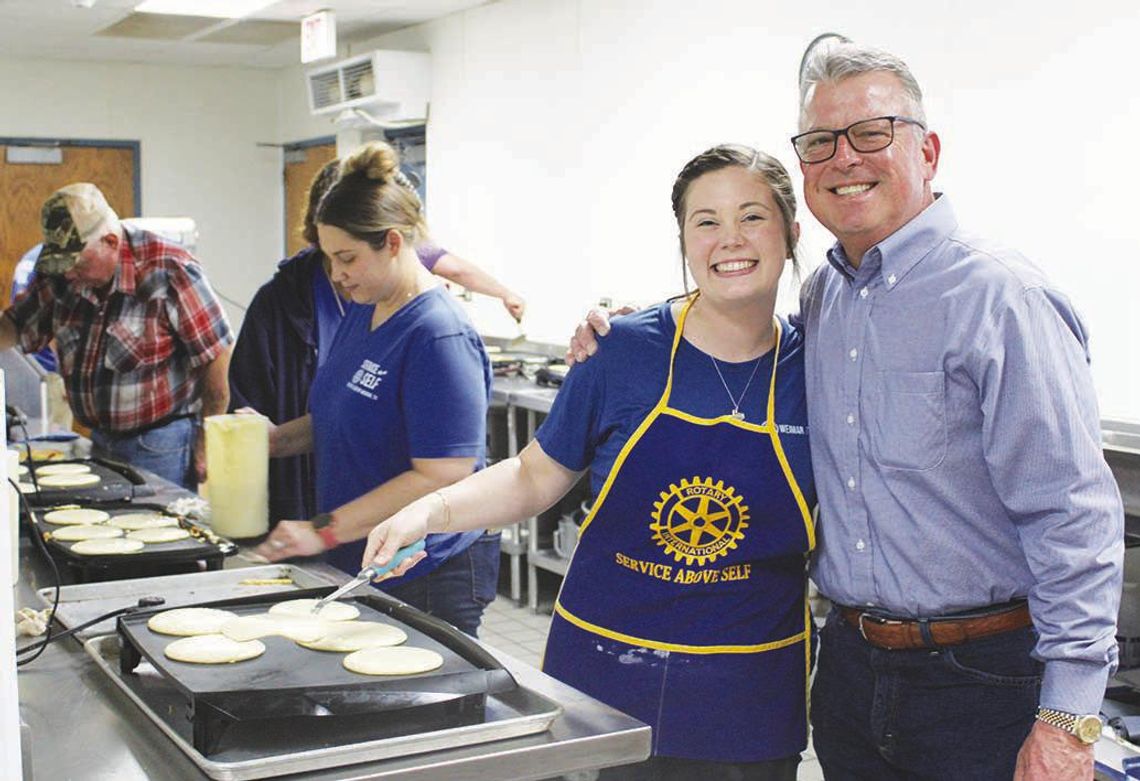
<point x="548" y="560"/>
<point x="1122" y="436"/>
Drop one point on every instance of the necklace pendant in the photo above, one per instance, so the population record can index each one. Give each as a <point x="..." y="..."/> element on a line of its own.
<point x="737" y="414"/>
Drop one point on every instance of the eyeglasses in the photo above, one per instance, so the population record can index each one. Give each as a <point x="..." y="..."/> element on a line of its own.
<point x="867" y="135"/>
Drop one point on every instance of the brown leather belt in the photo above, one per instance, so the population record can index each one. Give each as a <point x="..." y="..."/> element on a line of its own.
<point x="895" y="634"/>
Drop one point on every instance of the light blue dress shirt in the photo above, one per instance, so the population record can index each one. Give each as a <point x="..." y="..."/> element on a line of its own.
<point x="956" y="446"/>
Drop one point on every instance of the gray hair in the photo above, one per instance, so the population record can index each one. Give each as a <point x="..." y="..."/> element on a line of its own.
<point x="836" y="62"/>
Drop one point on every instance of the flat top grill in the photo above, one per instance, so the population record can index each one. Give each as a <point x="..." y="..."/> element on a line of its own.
<point x="289" y="685"/>
<point x="202" y="545"/>
<point x="118" y="483"/>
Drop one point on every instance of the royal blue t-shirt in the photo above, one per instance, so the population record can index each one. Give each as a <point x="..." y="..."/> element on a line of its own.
<point x="415" y="387"/>
<point x="604" y="400"/>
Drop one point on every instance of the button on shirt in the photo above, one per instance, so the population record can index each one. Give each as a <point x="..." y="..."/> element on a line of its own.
<point x="956" y="446"/>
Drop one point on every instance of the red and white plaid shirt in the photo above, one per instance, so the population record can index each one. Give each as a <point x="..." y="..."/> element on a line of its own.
<point x="130" y="358"/>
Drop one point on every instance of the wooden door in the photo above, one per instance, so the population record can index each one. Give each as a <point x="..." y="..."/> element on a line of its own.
<point x="302" y="164"/>
<point x="25" y="187"/>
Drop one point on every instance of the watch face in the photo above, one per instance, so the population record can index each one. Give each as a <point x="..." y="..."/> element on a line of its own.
<point x="1088" y="728"/>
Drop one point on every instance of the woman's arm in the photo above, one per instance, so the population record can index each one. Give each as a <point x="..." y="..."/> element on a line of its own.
<point x="291" y="438"/>
<point x="353" y="520"/>
<point x="468" y="275"/>
<point x="505" y="493"/>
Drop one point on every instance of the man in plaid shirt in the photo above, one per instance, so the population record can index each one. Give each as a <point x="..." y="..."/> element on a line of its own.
<point x="143" y="343"/>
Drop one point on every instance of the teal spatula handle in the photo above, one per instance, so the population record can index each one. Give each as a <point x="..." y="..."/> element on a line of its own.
<point x="375" y="571"/>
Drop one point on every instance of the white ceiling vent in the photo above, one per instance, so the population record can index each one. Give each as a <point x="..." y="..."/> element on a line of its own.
<point x="396" y="84"/>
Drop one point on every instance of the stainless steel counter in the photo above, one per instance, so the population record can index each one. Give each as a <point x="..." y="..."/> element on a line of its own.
<point x="82" y="726"/>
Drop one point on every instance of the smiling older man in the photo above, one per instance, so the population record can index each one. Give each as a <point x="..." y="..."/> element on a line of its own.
<point x="971" y="534"/>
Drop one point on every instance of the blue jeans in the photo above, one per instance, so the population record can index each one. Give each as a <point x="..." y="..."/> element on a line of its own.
<point x="459" y="589"/>
<point x="167" y="451"/>
<point x="960" y="712"/>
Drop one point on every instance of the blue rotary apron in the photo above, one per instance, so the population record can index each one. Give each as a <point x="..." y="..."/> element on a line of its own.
<point x="685" y="602"/>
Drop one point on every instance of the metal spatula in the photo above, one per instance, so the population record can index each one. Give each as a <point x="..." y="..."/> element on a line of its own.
<point x="368" y="574"/>
<point x="518" y="340"/>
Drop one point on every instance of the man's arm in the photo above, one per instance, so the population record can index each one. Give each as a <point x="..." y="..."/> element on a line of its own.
<point x="1041" y="438"/>
<point x="467" y="274"/>
<point x="214" y="380"/>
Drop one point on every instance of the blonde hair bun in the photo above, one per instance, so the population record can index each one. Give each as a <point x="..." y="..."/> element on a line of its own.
<point x="376" y="160"/>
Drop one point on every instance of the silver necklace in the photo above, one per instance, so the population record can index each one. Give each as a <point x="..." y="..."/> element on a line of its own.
<point x="336" y="294"/>
<point x="736" y="413"/>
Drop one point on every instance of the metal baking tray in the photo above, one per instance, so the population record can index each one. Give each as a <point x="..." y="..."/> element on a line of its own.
<point x="507" y="715"/>
<point x="83" y="602"/>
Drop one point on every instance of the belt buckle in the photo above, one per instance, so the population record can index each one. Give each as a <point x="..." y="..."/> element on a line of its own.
<point x="877" y="620"/>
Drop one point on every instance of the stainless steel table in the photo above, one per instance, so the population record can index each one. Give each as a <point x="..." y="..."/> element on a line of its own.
<point x="537" y="401"/>
<point x="82" y="726"/>
<point x="515" y="537"/>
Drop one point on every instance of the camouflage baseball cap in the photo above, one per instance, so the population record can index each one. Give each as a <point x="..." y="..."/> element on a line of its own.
<point x="70" y="217"/>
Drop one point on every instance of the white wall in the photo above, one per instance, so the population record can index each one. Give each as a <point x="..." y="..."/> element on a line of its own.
<point x="557" y="127"/>
<point x="197" y="128"/>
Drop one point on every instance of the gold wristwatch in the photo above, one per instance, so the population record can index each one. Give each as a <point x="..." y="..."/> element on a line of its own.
<point x="1086" y="728"/>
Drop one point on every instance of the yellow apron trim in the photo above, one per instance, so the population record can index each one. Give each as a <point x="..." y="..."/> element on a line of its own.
<point x="662" y="407"/>
<point x="772" y="382"/>
<point x="759" y="428"/>
<point x="645" y="424"/>
<point x="807" y="653"/>
<point x="799" y="637"/>
<point x="805" y="511"/>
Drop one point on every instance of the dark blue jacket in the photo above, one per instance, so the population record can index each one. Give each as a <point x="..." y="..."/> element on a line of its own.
<point x="273" y="365"/>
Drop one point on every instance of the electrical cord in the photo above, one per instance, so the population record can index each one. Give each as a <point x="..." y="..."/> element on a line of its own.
<point x="51" y="561"/>
<point x="17" y="419"/>
<point x="143" y="603"/>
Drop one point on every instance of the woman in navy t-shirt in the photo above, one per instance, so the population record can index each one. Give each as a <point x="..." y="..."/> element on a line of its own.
<point x="684" y="604"/>
<point x="399" y="407"/>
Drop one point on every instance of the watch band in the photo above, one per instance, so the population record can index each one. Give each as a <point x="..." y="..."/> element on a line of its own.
<point x="328" y="537"/>
<point x="1087" y="728"/>
<point x="321" y="520"/>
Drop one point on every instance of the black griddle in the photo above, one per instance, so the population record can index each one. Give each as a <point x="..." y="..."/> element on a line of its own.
<point x="293" y="688"/>
<point x="512" y="364"/>
<point x="119" y="483"/>
<point x="202" y="548"/>
<point x="552" y="376"/>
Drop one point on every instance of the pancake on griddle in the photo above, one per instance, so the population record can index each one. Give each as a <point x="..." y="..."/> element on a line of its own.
<point x="90" y="532"/>
<point x="76" y="516"/>
<point x="114" y="546"/>
<point x="212" y="649"/>
<point x="402" y="660"/>
<point x="334" y="611"/>
<point x="158" y="536"/>
<point x="187" y="621"/>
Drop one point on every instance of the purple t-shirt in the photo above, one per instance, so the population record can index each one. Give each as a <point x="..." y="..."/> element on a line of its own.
<point x="430" y="254"/>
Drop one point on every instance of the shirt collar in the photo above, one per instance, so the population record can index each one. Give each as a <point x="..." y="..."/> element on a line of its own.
<point x="126" y="274"/>
<point x="896" y="255"/>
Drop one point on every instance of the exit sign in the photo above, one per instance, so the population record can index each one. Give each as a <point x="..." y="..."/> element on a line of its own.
<point x="318" y="36"/>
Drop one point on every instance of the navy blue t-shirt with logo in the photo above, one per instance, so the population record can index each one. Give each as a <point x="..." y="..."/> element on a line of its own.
<point x="604" y="399"/>
<point x="415" y="387"/>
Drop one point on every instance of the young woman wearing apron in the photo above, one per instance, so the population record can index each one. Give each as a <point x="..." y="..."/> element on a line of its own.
<point x="684" y="604"/>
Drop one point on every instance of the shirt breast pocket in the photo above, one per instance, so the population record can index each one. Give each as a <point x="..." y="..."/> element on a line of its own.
<point x="136" y="343"/>
<point x="908" y="420"/>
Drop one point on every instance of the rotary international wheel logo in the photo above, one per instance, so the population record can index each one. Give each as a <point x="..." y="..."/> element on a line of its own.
<point x="699" y="520"/>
